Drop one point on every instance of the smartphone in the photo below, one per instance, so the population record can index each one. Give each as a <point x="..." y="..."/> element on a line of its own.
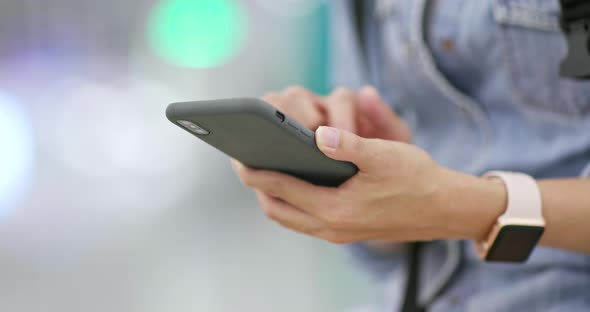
<point x="260" y="136"/>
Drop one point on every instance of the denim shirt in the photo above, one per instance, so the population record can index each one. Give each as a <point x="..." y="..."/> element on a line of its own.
<point x="478" y="83"/>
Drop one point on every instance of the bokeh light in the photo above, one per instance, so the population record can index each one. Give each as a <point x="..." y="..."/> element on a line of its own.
<point x="197" y="33"/>
<point x="115" y="135"/>
<point x="16" y="153"/>
<point x="114" y="191"/>
<point x="106" y="129"/>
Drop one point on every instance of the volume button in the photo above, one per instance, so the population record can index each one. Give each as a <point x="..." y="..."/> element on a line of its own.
<point x="292" y="126"/>
<point x="305" y="133"/>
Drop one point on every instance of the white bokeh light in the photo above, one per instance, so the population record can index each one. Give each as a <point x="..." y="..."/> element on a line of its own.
<point x="153" y="145"/>
<point x="118" y="148"/>
<point x="79" y="122"/>
<point x="16" y="153"/>
<point x="102" y="130"/>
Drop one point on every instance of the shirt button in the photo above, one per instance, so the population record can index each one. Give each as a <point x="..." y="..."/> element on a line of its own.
<point x="448" y="45"/>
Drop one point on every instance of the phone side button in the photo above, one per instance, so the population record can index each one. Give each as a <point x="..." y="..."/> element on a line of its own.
<point x="305" y="134"/>
<point x="280" y="116"/>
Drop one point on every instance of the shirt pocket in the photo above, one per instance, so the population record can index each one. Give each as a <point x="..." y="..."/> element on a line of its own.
<point x="534" y="48"/>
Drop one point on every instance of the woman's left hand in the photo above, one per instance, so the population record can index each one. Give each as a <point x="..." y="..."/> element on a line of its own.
<point x="399" y="194"/>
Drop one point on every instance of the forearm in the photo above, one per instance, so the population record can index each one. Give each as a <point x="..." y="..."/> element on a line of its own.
<point x="566" y="208"/>
<point x="478" y="202"/>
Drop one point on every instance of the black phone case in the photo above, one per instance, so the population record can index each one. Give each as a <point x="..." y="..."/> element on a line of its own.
<point x="261" y="137"/>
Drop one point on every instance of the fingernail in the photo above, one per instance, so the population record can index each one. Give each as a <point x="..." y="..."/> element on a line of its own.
<point x="370" y="92"/>
<point x="328" y="137"/>
<point x="236" y="165"/>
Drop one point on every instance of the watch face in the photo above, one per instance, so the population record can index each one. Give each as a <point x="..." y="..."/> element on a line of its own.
<point x="515" y="243"/>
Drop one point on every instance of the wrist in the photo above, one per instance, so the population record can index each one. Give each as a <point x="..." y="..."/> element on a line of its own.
<point x="473" y="205"/>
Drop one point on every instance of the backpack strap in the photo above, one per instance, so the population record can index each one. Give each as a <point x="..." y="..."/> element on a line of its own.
<point x="575" y="23"/>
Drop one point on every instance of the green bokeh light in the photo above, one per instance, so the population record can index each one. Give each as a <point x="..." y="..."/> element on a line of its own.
<point x="197" y="33"/>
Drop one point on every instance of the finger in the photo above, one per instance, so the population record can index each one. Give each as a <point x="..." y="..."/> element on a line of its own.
<point x="364" y="127"/>
<point x="287" y="106"/>
<point x="236" y="165"/>
<point x="268" y="96"/>
<point x="341" y="108"/>
<point x="382" y="116"/>
<point x="274" y="99"/>
<point x="288" y="215"/>
<point x="239" y="169"/>
<point x="303" y="104"/>
<point x="314" y="200"/>
<point x="296" y="219"/>
<point x="343" y="145"/>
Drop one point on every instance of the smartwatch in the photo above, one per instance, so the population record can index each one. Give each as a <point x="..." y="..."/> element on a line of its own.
<point x="516" y="233"/>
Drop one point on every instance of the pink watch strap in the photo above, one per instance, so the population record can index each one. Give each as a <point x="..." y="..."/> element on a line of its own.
<point x="524" y="205"/>
<point x="524" y="198"/>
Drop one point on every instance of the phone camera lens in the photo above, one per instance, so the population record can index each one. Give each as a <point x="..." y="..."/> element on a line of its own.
<point x="193" y="127"/>
<point x="201" y="131"/>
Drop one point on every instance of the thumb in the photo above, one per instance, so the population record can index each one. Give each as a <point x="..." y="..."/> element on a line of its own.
<point x="343" y="145"/>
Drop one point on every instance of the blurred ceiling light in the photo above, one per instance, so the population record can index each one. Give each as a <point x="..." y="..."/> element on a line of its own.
<point x="197" y="33"/>
<point x="290" y="8"/>
<point x="153" y="145"/>
<point x="16" y="153"/>
<point x="81" y="124"/>
<point x="99" y="130"/>
<point x="124" y="159"/>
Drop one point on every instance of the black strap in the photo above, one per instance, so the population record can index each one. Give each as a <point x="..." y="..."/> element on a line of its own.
<point x="359" y="25"/>
<point x="575" y="22"/>
<point x="411" y="303"/>
<point x="573" y="10"/>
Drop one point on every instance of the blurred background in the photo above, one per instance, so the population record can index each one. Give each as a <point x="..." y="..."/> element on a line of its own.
<point x="104" y="204"/>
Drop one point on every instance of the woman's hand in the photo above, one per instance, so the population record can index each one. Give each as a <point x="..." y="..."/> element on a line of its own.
<point x="300" y="104"/>
<point x="399" y="194"/>
<point x="362" y="112"/>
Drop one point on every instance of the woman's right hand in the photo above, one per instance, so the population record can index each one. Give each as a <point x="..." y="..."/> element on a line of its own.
<point x="363" y="112"/>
